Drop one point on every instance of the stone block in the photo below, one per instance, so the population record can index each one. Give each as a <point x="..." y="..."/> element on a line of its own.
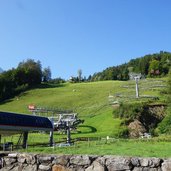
<point x="118" y="163"/>
<point x="44" y="167"/>
<point x="59" y="168"/>
<point x="9" y="160"/>
<point x="80" y="160"/>
<point x="45" y="159"/>
<point x="135" y="162"/>
<point x="101" y="160"/>
<point x="13" y="155"/>
<point x="96" y="166"/>
<point x="166" y="165"/>
<point x="137" y="169"/>
<point x="31" y="159"/>
<point x="155" y="162"/>
<point x="30" y="168"/>
<point x="61" y="160"/>
<point x="144" y="162"/>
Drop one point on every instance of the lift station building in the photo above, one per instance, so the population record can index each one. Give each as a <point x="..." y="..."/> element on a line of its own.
<point x="13" y="123"/>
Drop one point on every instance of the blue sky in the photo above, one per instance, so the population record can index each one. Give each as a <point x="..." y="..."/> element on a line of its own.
<point x="91" y="35"/>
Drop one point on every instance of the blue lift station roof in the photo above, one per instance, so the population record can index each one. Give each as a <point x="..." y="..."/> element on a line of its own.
<point x="13" y="123"/>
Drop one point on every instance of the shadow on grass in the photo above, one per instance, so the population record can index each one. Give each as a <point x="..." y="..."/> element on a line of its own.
<point x="48" y="85"/>
<point x="91" y="129"/>
<point x="6" y="101"/>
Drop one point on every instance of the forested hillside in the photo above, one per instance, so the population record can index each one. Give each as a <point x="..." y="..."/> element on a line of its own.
<point x="28" y="74"/>
<point x="152" y="65"/>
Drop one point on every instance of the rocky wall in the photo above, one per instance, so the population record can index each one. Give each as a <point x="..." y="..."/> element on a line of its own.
<point x="39" y="162"/>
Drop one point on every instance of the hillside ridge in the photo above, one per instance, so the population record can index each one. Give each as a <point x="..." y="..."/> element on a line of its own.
<point x="152" y="65"/>
<point x="92" y="101"/>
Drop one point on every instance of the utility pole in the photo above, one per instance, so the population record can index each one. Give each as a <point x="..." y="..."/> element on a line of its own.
<point x="136" y="86"/>
<point x="68" y="133"/>
<point x="51" y="139"/>
<point x="25" y="138"/>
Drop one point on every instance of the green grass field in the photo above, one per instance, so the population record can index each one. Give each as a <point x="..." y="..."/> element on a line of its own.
<point x="93" y="103"/>
<point x="145" y="148"/>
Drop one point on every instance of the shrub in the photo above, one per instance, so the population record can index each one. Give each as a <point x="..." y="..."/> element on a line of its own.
<point x="165" y="125"/>
<point x="123" y="133"/>
<point x="129" y="111"/>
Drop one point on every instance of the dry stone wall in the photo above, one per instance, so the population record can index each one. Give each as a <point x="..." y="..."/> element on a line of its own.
<point x="39" y="162"/>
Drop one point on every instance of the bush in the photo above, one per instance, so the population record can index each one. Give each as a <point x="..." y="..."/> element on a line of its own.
<point x="21" y="88"/>
<point x="57" y="81"/>
<point x="123" y="133"/>
<point x="165" y="125"/>
<point x="129" y="111"/>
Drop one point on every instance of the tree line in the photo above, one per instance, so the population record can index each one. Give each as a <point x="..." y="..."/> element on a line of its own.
<point x="152" y="65"/>
<point x="28" y="74"/>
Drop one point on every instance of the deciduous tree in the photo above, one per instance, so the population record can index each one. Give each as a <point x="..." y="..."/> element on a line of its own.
<point x="46" y="74"/>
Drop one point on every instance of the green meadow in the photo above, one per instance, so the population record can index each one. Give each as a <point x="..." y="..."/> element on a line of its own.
<point x="118" y="147"/>
<point x="94" y="102"/>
